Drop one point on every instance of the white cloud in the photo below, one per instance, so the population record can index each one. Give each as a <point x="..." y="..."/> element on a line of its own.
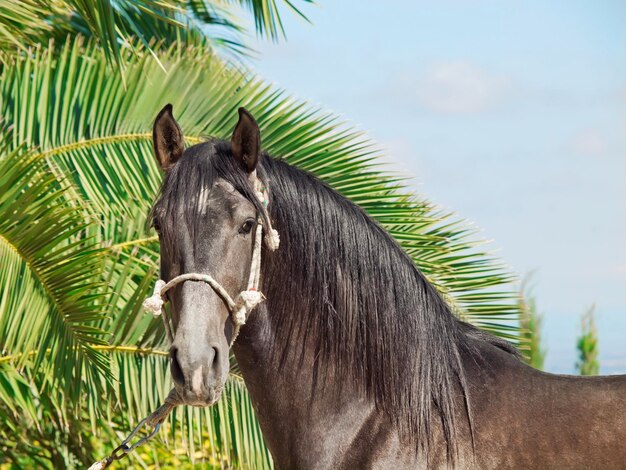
<point x="589" y="143"/>
<point x="618" y="270"/>
<point x="459" y="87"/>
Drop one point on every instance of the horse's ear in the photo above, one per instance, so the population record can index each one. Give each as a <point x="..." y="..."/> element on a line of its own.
<point x="167" y="138"/>
<point x="246" y="141"/>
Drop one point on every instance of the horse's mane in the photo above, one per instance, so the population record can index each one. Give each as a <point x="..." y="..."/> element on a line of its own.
<point x="361" y="302"/>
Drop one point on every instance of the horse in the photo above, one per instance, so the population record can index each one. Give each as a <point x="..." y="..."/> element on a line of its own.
<point x="353" y="360"/>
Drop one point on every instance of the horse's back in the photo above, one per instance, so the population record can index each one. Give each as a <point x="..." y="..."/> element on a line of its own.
<point x="524" y="418"/>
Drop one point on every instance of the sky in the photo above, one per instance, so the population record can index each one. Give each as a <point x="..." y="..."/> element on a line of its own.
<point x="512" y="114"/>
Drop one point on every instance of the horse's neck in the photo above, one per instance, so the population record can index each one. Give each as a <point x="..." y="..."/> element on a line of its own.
<point x="303" y="428"/>
<point x="331" y="425"/>
<point x="334" y="425"/>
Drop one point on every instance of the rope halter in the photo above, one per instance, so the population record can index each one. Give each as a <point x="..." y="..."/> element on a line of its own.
<point x="239" y="307"/>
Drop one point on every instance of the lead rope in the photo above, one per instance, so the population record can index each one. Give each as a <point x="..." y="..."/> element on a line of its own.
<point x="239" y="309"/>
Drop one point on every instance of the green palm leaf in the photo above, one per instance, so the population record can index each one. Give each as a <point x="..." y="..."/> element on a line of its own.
<point x="267" y="16"/>
<point x="121" y="25"/>
<point x="49" y="284"/>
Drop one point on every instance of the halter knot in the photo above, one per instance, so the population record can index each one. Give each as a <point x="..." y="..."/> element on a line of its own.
<point x="244" y="303"/>
<point x="154" y="303"/>
<point x="272" y="239"/>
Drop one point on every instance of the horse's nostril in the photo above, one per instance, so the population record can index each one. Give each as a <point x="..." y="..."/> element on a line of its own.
<point x="177" y="373"/>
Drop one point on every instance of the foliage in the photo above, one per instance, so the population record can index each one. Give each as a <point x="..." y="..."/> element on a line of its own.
<point x="117" y="25"/>
<point x="80" y="364"/>
<point x="587" y="345"/>
<point x="530" y="327"/>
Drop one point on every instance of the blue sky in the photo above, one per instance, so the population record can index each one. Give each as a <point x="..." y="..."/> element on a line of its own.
<point x="510" y="113"/>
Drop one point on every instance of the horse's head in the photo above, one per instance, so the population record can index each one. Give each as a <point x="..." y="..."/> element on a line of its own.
<point x="207" y="225"/>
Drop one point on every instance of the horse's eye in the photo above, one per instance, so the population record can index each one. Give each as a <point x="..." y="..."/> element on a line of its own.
<point x="247" y="226"/>
<point x="156" y="225"/>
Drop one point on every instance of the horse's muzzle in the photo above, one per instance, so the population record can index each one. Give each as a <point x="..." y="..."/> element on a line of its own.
<point x="198" y="378"/>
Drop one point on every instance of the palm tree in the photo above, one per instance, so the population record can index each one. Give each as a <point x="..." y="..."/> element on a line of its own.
<point x="80" y="363"/>
<point x="530" y="323"/>
<point x="587" y="345"/>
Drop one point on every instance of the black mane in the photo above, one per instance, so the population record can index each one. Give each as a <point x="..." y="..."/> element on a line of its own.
<point x="362" y="302"/>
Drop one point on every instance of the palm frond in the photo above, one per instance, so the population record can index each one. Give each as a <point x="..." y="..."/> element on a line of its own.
<point x="267" y="17"/>
<point x="49" y="284"/>
<point x="122" y="25"/>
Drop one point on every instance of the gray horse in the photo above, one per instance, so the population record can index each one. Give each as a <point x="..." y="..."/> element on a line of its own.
<point x="353" y="360"/>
